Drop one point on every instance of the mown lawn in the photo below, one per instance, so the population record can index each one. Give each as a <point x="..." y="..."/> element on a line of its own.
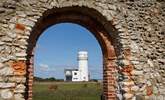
<point x="67" y="91"/>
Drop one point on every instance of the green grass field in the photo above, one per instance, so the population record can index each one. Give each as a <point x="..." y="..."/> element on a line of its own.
<point x="67" y="91"/>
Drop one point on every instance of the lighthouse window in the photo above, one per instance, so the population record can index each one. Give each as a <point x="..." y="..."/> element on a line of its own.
<point x="75" y="73"/>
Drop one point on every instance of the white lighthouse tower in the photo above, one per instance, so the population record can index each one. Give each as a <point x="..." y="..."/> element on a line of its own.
<point x="83" y="65"/>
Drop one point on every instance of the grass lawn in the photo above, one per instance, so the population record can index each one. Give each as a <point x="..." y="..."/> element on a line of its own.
<point x="67" y="91"/>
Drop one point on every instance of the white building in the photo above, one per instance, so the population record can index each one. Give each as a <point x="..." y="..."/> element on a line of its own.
<point x="80" y="74"/>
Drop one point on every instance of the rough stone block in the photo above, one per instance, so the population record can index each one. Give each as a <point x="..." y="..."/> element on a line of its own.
<point x="20" y="88"/>
<point x="7" y="85"/>
<point x="19" y="97"/>
<point x="20" y="27"/>
<point x="6" y="71"/>
<point x="149" y="90"/>
<point x="134" y="72"/>
<point x="6" y="94"/>
<point x="128" y="96"/>
<point x="19" y="67"/>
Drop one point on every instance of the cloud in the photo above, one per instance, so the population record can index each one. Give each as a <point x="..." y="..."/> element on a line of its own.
<point x="43" y="67"/>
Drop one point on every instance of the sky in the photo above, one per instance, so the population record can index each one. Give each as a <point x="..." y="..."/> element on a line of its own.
<point x="57" y="49"/>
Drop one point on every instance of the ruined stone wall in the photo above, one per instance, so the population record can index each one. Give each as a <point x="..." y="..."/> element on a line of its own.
<point x="140" y="36"/>
<point x="146" y="26"/>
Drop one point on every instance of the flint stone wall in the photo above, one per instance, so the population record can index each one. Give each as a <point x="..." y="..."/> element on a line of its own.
<point x="141" y="31"/>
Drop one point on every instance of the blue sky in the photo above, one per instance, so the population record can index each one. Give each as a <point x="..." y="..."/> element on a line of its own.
<point x="57" y="49"/>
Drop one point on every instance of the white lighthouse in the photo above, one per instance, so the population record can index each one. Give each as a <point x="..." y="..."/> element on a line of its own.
<point x="83" y="65"/>
<point x="80" y="74"/>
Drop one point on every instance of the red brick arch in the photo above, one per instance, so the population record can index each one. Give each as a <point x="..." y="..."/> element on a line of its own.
<point x="94" y="22"/>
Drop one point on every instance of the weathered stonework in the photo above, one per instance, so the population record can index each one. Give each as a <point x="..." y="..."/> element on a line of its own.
<point x="131" y="34"/>
<point x="19" y="67"/>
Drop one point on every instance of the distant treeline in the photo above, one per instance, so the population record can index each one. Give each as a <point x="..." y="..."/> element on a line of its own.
<point x="51" y="79"/>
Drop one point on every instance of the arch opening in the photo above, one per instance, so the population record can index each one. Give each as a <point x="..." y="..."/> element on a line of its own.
<point x="95" y="25"/>
<point x="56" y="52"/>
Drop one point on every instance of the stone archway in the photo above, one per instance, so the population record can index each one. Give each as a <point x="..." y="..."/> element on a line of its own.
<point x="78" y="15"/>
<point x="132" y="29"/>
